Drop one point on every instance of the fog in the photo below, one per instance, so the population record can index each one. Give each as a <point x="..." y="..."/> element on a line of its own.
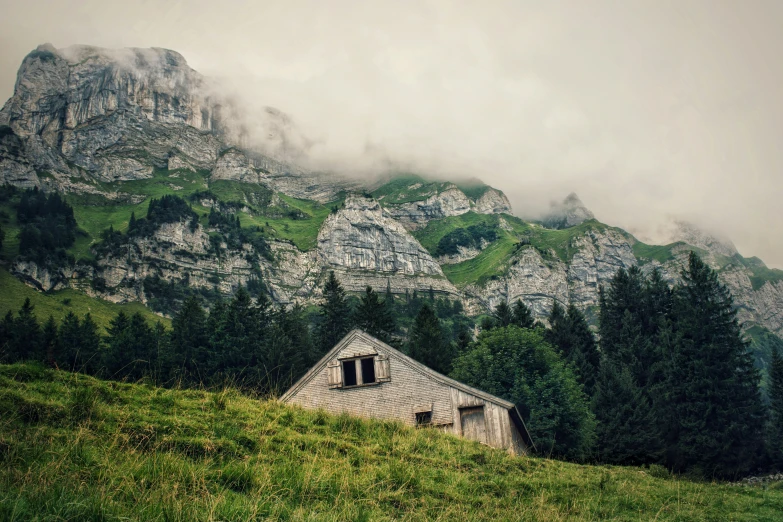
<point x="648" y="110"/>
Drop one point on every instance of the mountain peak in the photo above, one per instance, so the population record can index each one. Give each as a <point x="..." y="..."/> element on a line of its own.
<point x="568" y="213"/>
<point x="694" y="235"/>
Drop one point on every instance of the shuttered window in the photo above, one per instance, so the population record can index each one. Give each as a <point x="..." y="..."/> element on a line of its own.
<point x="358" y="372"/>
<point x="334" y="375"/>
<point x="382" y="370"/>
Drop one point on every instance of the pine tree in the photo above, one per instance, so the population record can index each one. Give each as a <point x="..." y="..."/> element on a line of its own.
<point x="625" y="418"/>
<point x="132" y="223"/>
<point x="6" y="336"/>
<point x="503" y="315"/>
<point x="373" y="317"/>
<point x="49" y="338"/>
<point x="335" y="315"/>
<point x="426" y="341"/>
<point x="90" y="344"/>
<point x="189" y="341"/>
<point x="293" y="323"/>
<point x="242" y="344"/>
<point x="775" y="433"/>
<point x="712" y="385"/>
<point x="522" y="315"/>
<point x="622" y="401"/>
<point x="569" y="333"/>
<point x="69" y="344"/>
<point x="26" y="337"/>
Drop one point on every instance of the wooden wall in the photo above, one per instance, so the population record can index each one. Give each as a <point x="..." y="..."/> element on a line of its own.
<point x="409" y="390"/>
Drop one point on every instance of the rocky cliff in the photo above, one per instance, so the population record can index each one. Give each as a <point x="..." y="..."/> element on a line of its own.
<point x="90" y="114"/>
<point x="366" y="246"/>
<point x="84" y="120"/>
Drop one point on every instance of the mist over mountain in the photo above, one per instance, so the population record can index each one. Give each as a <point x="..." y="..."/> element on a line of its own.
<point x="645" y="111"/>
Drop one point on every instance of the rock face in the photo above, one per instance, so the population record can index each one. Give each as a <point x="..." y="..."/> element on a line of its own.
<point x="539" y="281"/>
<point x="119" y="114"/>
<point x="366" y="244"/>
<point x="445" y="202"/>
<point x="493" y="202"/>
<point x="84" y="115"/>
<point x="569" y="213"/>
<point x="450" y="202"/>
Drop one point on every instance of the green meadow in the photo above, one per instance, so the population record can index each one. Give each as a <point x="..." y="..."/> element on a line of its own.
<point x="76" y="448"/>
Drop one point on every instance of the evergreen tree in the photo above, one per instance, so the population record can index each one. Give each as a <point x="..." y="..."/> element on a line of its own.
<point x="117" y="355"/>
<point x="572" y="337"/>
<point x="426" y="341"/>
<point x="90" y="344"/>
<point x="520" y="366"/>
<point x="130" y="347"/>
<point x="522" y="315"/>
<point x="242" y="343"/>
<point x="503" y="315"/>
<point x="294" y="325"/>
<point x="162" y="359"/>
<point x="712" y="386"/>
<point x="373" y="316"/>
<point x="280" y="363"/>
<point x="49" y="341"/>
<point x="6" y="336"/>
<point x="775" y="436"/>
<point x="69" y="344"/>
<point x="335" y="315"/>
<point x="26" y="336"/>
<point x="623" y="404"/>
<point x="625" y="419"/>
<point x="189" y="342"/>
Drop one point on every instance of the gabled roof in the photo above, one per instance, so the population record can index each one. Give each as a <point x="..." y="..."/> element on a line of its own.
<point x="414" y="365"/>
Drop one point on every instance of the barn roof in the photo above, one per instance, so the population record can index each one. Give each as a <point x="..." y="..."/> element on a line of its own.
<point x="413" y="364"/>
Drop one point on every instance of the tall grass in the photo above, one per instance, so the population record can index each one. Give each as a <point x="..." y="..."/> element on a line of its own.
<point x="76" y="448"/>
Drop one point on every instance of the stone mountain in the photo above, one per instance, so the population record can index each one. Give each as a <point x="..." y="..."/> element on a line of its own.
<point x="114" y="128"/>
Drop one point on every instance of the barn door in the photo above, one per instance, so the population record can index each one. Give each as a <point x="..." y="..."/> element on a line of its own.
<point x="473" y="425"/>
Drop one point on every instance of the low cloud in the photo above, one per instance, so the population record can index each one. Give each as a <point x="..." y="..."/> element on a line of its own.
<point x="646" y="110"/>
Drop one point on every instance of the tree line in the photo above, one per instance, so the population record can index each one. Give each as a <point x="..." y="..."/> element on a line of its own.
<point x="669" y="381"/>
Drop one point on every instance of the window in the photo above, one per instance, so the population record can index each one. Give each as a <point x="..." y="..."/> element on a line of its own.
<point x="349" y="373"/>
<point x="423" y="418"/>
<point x="368" y="370"/>
<point x="358" y="371"/>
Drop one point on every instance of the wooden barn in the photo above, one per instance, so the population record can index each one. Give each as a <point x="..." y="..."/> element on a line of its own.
<point x="365" y="377"/>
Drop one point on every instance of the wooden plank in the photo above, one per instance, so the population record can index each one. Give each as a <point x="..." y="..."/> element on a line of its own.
<point x="454" y="393"/>
<point x="473" y="424"/>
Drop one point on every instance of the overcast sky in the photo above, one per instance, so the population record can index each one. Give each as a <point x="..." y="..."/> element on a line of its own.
<point x="645" y="109"/>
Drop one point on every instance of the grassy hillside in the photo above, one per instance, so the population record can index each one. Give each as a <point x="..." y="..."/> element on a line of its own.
<point x="406" y="189"/>
<point x="76" y="448"/>
<point x="60" y="302"/>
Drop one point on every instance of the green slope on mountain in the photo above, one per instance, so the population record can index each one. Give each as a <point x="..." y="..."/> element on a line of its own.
<point x="77" y="448"/>
<point x="58" y="303"/>
<point x="407" y="188"/>
<point x="513" y="234"/>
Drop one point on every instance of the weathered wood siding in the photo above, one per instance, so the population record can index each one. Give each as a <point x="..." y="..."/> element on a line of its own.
<point x="409" y="390"/>
<point x="497" y="421"/>
<point x="396" y="399"/>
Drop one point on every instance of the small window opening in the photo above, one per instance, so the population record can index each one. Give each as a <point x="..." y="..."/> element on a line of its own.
<point x="424" y="418"/>
<point x="349" y="373"/>
<point x="368" y="370"/>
